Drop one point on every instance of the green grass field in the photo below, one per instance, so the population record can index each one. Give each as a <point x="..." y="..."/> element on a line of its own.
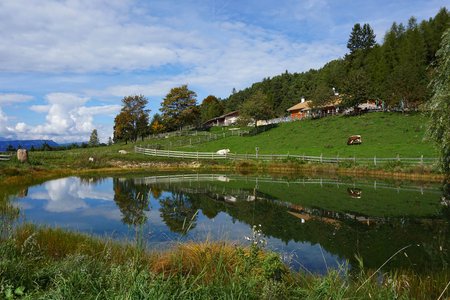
<point x="383" y="135"/>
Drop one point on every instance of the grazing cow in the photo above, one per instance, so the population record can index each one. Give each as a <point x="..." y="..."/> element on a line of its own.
<point x="223" y="151"/>
<point x="91" y="159"/>
<point x="354" y="140"/>
<point x="123" y="152"/>
<point x="355" y="193"/>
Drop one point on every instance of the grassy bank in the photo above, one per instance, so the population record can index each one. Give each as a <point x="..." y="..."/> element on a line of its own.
<point x="383" y="135"/>
<point x="54" y="264"/>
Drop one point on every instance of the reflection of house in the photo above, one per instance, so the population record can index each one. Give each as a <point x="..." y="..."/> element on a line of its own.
<point x="304" y="109"/>
<point x="224" y="120"/>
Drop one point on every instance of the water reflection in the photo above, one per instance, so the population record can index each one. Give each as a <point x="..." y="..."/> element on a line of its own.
<point x="318" y="223"/>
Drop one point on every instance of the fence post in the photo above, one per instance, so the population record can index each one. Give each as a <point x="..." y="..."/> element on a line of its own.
<point x="337" y="158"/>
<point x="398" y="157"/>
<point x="197" y="155"/>
<point x="375" y="160"/>
<point x="354" y="159"/>
<point x="321" y="157"/>
<point x="421" y="160"/>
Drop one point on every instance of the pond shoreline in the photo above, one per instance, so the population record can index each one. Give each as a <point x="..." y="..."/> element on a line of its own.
<point x="29" y="173"/>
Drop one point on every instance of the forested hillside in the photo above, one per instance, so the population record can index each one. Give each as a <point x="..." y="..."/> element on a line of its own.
<point x="397" y="71"/>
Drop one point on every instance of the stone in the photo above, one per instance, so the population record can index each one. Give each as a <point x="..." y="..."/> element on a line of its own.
<point x="22" y="155"/>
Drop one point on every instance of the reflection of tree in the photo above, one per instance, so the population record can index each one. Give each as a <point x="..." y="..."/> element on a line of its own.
<point x="156" y="191"/>
<point x="178" y="213"/>
<point x="132" y="201"/>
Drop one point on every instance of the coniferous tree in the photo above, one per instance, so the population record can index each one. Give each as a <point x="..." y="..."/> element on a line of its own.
<point x="93" y="140"/>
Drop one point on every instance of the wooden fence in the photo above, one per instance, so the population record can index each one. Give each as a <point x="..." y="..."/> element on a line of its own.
<point x="272" y="157"/>
<point x="5" y="156"/>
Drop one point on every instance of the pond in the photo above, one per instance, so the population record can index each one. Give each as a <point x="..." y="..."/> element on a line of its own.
<point x="314" y="223"/>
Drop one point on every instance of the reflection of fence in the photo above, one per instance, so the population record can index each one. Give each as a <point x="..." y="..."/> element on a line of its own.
<point x="268" y="157"/>
<point x="189" y="178"/>
<point x="5" y="156"/>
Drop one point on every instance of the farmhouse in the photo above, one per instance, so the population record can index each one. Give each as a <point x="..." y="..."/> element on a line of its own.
<point x="224" y="120"/>
<point x="300" y="110"/>
<point x="304" y="109"/>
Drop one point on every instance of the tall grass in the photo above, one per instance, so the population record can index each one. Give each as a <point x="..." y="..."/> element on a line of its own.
<point x="44" y="263"/>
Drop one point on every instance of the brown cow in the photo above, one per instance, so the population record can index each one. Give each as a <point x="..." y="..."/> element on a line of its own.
<point x="354" y="140"/>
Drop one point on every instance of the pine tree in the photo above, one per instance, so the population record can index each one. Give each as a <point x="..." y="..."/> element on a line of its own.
<point x="93" y="140"/>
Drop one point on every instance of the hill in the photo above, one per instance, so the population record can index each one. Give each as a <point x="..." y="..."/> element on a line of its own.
<point x="398" y="68"/>
<point x="383" y="135"/>
<point x="26" y="144"/>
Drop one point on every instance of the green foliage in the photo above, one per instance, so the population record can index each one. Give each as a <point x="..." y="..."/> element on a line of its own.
<point x="93" y="140"/>
<point x="211" y="107"/>
<point x="439" y="106"/>
<point x="132" y="121"/>
<point x="361" y="38"/>
<point x="179" y="108"/>
<point x="257" y="107"/>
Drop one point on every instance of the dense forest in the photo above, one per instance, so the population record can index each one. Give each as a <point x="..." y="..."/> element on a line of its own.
<point x="397" y="71"/>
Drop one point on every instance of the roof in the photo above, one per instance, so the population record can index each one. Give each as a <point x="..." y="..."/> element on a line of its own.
<point x="300" y="106"/>
<point x="307" y="105"/>
<point x="221" y="117"/>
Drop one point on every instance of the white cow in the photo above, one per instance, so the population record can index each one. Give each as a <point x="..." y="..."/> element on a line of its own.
<point x="91" y="159"/>
<point x="223" y="151"/>
<point x="123" y="152"/>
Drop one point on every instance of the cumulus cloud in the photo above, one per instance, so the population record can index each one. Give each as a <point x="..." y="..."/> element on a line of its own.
<point x="68" y="118"/>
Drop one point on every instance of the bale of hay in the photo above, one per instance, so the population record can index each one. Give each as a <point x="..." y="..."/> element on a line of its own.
<point x="22" y="155"/>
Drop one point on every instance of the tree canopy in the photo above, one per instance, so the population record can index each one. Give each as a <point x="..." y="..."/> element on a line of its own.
<point x="179" y="108"/>
<point x="132" y="121"/>
<point x="439" y="106"/>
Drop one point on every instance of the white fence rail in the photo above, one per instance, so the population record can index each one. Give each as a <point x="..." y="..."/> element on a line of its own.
<point x="268" y="157"/>
<point x="5" y="156"/>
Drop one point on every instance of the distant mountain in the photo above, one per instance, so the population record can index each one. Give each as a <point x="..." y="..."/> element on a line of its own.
<point x="26" y="144"/>
<point x="4" y="139"/>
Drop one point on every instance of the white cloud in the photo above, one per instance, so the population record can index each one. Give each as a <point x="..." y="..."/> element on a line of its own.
<point x="14" y="98"/>
<point x="3" y="122"/>
<point x="68" y="119"/>
<point x="40" y="108"/>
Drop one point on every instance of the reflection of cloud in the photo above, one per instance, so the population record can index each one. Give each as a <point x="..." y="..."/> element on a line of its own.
<point x="69" y="194"/>
<point x="106" y="212"/>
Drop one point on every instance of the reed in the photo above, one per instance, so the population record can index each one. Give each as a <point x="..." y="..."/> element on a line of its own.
<point x="50" y="263"/>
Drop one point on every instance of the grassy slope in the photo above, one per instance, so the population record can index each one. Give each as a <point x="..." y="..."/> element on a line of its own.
<point x="383" y="134"/>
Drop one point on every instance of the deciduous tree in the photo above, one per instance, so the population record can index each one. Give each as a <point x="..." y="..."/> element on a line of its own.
<point x="132" y="121"/>
<point x="439" y="106"/>
<point x="179" y="108"/>
<point x="257" y="107"/>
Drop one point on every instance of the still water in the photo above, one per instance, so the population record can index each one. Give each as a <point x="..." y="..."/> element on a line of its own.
<point x="314" y="223"/>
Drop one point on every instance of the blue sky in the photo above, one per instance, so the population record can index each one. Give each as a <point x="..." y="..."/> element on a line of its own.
<point x="66" y="64"/>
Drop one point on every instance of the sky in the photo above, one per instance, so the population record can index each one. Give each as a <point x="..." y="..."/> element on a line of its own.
<point x="65" y="65"/>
